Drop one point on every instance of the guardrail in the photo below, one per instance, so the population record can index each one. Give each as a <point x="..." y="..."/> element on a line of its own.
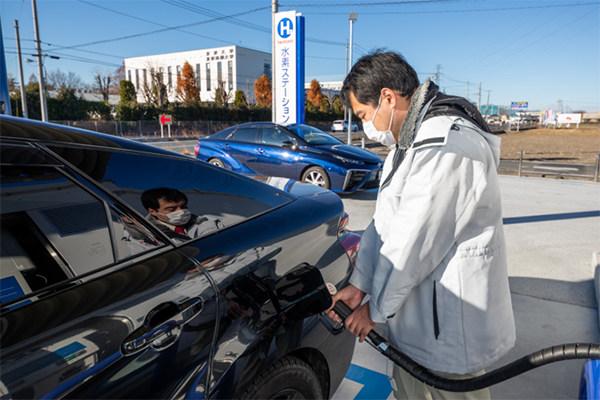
<point x="548" y="167"/>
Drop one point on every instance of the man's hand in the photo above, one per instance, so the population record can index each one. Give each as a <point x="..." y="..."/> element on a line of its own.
<point x="359" y="322"/>
<point x="350" y="295"/>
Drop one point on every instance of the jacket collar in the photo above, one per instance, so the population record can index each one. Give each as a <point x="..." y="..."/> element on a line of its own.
<point x="423" y="94"/>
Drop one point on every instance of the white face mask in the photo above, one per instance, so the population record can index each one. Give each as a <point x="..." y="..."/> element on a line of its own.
<point x="384" y="137"/>
<point x="179" y="217"/>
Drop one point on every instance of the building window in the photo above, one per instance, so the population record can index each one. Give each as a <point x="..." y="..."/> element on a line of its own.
<point x="230" y="74"/>
<point x="208" y="76"/>
<point x="219" y="73"/>
<point x="198" y="77"/>
<point x="267" y="70"/>
<point x="129" y="75"/>
<point x="178" y="72"/>
<point x="145" y="79"/>
<point x="137" y="79"/>
<point x="169" y="79"/>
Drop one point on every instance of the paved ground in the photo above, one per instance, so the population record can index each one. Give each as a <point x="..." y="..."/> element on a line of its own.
<point x="552" y="229"/>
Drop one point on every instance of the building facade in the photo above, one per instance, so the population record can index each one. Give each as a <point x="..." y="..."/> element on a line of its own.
<point x="233" y="67"/>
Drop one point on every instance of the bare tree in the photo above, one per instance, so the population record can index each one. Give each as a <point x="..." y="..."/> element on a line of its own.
<point x="222" y="95"/>
<point x="103" y="80"/>
<point x="13" y="87"/>
<point x="153" y="88"/>
<point x="64" y="81"/>
<point x="118" y="76"/>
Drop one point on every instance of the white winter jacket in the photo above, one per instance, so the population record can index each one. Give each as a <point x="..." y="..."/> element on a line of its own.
<point x="434" y="259"/>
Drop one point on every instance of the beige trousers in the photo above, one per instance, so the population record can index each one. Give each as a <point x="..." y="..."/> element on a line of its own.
<point x="410" y="388"/>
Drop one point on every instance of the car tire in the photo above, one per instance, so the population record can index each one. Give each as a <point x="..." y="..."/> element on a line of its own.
<point x="217" y="162"/>
<point x="288" y="378"/>
<point x="316" y="176"/>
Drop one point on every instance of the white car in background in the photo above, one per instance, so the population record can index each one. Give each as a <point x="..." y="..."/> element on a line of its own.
<point x="342" y="126"/>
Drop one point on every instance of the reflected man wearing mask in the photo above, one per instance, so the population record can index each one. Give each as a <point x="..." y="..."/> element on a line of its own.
<point x="168" y="211"/>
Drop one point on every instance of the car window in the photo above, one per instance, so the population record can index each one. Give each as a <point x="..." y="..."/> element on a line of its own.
<point x="53" y="230"/>
<point x="248" y="135"/>
<point x="313" y="135"/>
<point x="275" y="137"/>
<point x="215" y="198"/>
<point x="224" y="133"/>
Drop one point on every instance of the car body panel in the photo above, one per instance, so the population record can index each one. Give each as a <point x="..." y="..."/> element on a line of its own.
<point x="199" y="319"/>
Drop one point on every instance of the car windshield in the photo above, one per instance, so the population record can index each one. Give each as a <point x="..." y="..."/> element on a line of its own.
<point x="313" y="135"/>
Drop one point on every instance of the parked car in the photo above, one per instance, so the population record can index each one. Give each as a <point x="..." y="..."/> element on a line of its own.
<point x="297" y="151"/>
<point x="342" y="126"/>
<point x="97" y="302"/>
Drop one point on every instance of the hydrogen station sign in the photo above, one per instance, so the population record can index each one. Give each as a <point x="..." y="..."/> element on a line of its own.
<point x="288" y="68"/>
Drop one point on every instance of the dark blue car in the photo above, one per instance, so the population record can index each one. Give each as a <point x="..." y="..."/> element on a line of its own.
<point x="297" y="151"/>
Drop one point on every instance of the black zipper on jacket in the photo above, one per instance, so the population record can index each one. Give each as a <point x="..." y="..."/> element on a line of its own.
<point x="436" y="325"/>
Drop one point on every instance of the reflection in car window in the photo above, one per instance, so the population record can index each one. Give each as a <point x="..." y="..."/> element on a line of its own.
<point x="216" y="198"/>
<point x="52" y="230"/>
<point x="313" y="135"/>
<point x="249" y="135"/>
<point x="223" y="134"/>
<point x="275" y="137"/>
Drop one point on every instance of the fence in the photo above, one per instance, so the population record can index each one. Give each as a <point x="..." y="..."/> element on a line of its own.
<point x="583" y="169"/>
<point x="151" y="129"/>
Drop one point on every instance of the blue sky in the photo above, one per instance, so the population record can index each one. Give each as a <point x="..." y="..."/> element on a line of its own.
<point x="540" y="51"/>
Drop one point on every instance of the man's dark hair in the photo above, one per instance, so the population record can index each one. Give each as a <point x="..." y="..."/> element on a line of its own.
<point x="376" y="71"/>
<point x="150" y="197"/>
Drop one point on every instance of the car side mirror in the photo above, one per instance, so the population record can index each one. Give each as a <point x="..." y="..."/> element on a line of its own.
<point x="290" y="145"/>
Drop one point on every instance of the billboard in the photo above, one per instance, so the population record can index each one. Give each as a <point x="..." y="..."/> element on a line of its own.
<point x="519" y="105"/>
<point x="569" y="118"/>
<point x="288" y="67"/>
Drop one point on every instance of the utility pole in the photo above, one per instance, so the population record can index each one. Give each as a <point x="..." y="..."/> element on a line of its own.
<point x="345" y="75"/>
<point x="38" y="46"/>
<point x="479" y="101"/>
<point x="487" y="107"/>
<point x="438" y="74"/>
<point x="351" y="17"/>
<point x="23" y="97"/>
<point x="274" y="10"/>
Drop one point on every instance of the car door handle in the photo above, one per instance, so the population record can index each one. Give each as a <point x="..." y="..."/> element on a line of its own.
<point x="260" y="151"/>
<point x="226" y="146"/>
<point x="165" y="333"/>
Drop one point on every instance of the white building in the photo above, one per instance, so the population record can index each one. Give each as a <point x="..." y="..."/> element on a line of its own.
<point x="328" y="89"/>
<point x="237" y="67"/>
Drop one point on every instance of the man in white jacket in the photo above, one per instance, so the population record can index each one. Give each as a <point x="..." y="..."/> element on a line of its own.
<point x="433" y="260"/>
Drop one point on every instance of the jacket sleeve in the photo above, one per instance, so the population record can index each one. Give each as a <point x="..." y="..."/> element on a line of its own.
<point x="439" y="198"/>
<point x="362" y="276"/>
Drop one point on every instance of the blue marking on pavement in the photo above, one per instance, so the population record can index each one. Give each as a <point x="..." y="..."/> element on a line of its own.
<point x="551" y="217"/>
<point x="375" y="384"/>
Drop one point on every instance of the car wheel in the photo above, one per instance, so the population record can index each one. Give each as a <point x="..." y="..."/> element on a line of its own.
<point x="288" y="378"/>
<point x="217" y="162"/>
<point x="316" y="176"/>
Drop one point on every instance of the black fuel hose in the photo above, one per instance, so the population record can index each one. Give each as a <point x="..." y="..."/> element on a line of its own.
<point x="549" y="355"/>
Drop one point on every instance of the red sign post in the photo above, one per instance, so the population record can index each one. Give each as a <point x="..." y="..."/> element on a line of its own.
<point x="165" y="120"/>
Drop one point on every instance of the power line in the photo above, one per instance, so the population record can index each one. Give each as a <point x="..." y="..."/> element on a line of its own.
<point x="162" y="30"/>
<point x="152" y="22"/>
<point x="461" y="11"/>
<point x="386" y="3"/>
<point x="206" y="12"/>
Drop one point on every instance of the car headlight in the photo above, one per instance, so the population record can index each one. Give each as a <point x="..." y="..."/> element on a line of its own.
<point x="348" y="160"/>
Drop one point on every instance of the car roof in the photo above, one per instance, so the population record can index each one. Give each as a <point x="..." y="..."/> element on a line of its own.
<point x="32" y="130"/>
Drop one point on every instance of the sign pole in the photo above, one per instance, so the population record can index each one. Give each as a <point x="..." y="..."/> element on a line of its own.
<point x="274" y="11"/>
<point x="162" y="135"/>
<point x="169" y="127"/>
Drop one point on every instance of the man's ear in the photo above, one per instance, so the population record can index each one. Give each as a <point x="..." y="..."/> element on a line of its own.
<point x="153" y="212"/>
<point x="389" y="96"/>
